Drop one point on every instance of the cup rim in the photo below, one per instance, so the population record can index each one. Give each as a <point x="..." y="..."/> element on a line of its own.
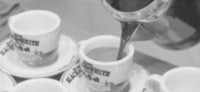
<point x="49" y="80"/>
<point x="82" y="47"/>
<point x="175" y="71"/>
<point x="12" y="20"/>
<point x="178" y="69"/>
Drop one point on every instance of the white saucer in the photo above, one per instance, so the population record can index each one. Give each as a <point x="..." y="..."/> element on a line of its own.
<point x="67" y="51"/>
<point x="74" y="80"/>
<point x="6" y="81"/>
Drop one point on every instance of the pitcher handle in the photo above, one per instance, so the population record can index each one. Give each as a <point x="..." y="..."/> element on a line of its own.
<point x="153" y="83"/>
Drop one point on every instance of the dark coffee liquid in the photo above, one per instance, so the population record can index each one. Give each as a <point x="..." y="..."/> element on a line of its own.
<point x="129" y="5"/>
<point x="127" y="28"/>
<point x="104" y="54"/>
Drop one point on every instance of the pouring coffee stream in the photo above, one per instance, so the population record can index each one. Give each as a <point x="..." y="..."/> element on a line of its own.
<point x="128" y="28"/>
<point x="173" y="24"/>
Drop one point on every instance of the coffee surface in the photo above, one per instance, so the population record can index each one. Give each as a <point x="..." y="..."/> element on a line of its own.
<point x="129" y="5"/>
<point x="104" y="54"/>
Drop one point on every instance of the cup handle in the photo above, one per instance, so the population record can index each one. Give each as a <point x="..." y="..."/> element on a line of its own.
<point x="81" y="42"/>
<point x="153" y="83"/>
<point x="78" y="45"/>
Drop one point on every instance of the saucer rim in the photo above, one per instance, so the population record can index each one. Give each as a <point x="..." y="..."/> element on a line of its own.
<point x="25" y="82"/>
<point x="146" y="73"/>
<point x="49" y="74"/>
<point x="10" y="78"/>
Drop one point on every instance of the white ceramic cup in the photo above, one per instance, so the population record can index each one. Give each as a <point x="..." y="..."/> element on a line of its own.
<point x="35" y="34"/>
<point x="39" y="85"/>
<point x="180" y="79"/>
<point x="110" y="76"/>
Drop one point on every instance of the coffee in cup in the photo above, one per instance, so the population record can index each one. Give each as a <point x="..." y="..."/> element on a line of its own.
<point x="102" y="70"/>
<point x="105" y="54"/>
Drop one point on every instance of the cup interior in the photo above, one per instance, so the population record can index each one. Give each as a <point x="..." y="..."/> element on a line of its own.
<point x="40" y="85"/>
<point x="104" y="41"/>
<point x="34" y="22"/>
<point x="183" y="80"/>
<point x="129" y="5"/>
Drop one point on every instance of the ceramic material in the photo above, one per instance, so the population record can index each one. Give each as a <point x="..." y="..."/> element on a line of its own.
<point x="39" y="85"/>
<point x="180" y="79"/>
<point x="101" y="75"/>
<point x="35" y="34"/>
<point x="11" y="63"/>
<point x="74" y="80"/>
<point x="6" y="81"/>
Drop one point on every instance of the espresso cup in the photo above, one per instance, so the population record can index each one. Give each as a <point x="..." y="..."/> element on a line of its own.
<point x="39" y="85"/>
<point x="35" y="34"/>
<point x="181" y="79"/>
<point x="102" y="70"/>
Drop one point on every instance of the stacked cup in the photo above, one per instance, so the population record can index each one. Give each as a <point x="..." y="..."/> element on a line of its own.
<point x="35" y="35"/>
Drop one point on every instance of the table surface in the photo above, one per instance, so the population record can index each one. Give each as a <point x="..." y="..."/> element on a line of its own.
<point x="82" y="19"/>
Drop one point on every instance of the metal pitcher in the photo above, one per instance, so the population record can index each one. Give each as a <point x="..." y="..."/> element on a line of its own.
<point x="175" y="24"/>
